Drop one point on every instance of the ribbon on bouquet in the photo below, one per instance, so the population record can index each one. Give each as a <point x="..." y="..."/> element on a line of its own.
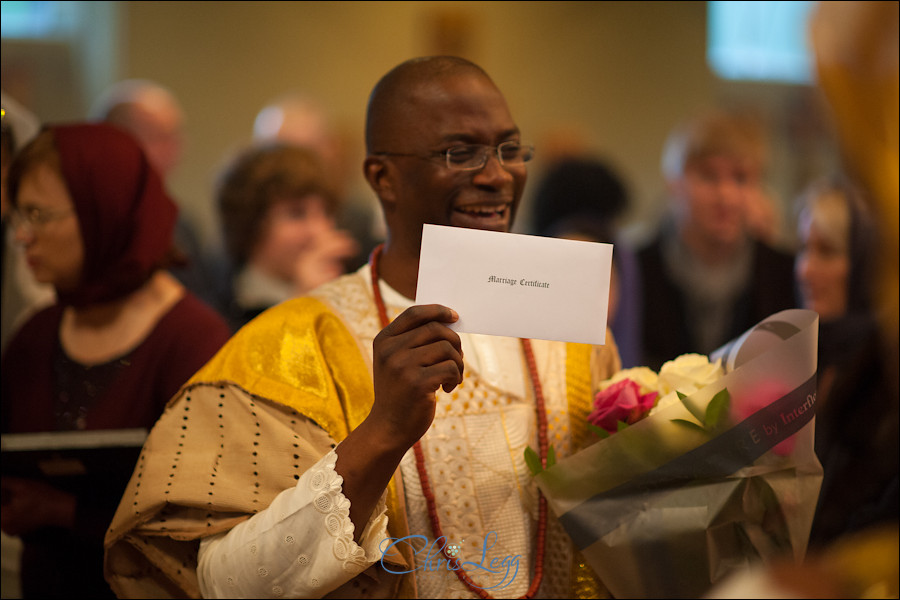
<point x="660" y="509"/>
<point x="725" y="454"/>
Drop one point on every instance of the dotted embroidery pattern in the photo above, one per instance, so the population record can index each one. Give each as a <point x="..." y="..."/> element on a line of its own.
<point x="255" y="461"/>
<point x="297" y="470"/>
<point x="219" y="453"/>
<point x="173" y="468"/>
<point x="220" y="416"/>
<point x="139" y="472"/>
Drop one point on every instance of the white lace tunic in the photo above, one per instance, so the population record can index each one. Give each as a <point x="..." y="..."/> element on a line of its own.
<point x="474" y="450"/>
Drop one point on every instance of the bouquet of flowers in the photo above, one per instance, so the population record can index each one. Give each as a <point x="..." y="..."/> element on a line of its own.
<point x="699" y="470"/>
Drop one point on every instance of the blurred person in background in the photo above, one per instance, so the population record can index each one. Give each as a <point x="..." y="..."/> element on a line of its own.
<point x="301" y="120"/>
<point x="705" y="276"/>
<point x="857" y="67"/>
<point x="834" y="270"/>
<point x="860" y="457"/>
<point x="121" y="339"/>
<point x="153" y="115"/>
<point x="21" y="294"/>
<point x="278" y="217"/>
<point x="583" y="198"/>
<point x="856" y="57"/>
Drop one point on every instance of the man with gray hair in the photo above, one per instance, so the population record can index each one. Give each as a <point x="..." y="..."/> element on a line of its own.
<point x="152" y="114"/>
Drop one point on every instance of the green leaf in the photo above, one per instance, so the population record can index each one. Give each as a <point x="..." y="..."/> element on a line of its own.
<point x="690" y="425"/>
<point x="620" y="425"/>
<point x="598" y="431"/>
<point x="717" y="410"/>
<point x="551" y="457"/>
<point x="533" y="461"/>
<point x="689" y="406"/>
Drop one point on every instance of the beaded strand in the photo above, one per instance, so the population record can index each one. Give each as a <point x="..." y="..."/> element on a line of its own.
<point x="540" y="542"/>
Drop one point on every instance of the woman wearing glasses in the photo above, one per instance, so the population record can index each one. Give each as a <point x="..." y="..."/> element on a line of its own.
<point x="124" y="335"/>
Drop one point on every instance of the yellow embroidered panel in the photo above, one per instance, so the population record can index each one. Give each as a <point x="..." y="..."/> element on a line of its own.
<point x="301" y="355"/>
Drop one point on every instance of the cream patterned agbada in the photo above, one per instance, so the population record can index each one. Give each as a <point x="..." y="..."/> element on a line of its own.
<point x="264" y="416"/>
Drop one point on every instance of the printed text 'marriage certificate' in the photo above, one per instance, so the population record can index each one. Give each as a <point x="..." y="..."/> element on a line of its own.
<point x="517" y="285"/>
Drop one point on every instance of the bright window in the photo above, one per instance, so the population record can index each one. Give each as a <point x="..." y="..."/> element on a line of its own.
<point x="762" y="41"/>
<point x="38" y="19"/>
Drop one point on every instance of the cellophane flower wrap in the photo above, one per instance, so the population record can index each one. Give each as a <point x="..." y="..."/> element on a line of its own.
<point x="717" y="474"/>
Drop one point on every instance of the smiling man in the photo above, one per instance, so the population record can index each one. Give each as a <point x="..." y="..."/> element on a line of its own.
<point x="340" y="443"/>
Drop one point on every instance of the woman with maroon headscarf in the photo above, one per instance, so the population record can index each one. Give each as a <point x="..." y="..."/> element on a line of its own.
<point x="123" y="336"/>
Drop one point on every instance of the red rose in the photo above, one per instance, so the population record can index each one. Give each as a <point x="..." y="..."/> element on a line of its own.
<point x="622" y="401"/>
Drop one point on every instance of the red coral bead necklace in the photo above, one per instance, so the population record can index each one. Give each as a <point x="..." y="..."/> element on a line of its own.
<point x="540" y="542"/>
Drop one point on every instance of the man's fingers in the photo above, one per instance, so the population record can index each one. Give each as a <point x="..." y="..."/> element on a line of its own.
<point x="439" y="354"/>
<point x="415" y="361"/>
<point x="416" y="316"/>
<point x="446" y="375"/>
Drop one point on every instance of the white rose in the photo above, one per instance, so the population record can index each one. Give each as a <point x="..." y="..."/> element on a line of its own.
<point x="664" y="402"/>
<point x="643" y="376"/>
<point x="688" y="373"/>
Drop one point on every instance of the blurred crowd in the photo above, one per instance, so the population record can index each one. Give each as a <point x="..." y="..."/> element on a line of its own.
<point x="110" y="301"/>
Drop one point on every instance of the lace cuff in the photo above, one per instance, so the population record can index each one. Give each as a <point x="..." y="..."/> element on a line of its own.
<point x="327" y="486"/>
<point x="300" y="546"/>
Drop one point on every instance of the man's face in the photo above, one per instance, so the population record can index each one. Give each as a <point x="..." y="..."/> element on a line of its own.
<point x="463" y="109"/>
<point x="714" y="195"/>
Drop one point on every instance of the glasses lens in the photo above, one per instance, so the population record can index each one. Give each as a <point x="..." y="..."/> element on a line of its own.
<point x="514" y="153"/>
<point x="474" y="156"/>
<point x="466" y="157"/>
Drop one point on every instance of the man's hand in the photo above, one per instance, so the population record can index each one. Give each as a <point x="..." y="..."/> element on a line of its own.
<point x="414" y="356"/>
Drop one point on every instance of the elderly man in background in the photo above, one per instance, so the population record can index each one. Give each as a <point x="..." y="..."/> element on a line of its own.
<point x="153" y="115"/>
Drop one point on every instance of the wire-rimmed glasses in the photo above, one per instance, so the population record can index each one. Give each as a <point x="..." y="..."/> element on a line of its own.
<point x="471" y="157"/>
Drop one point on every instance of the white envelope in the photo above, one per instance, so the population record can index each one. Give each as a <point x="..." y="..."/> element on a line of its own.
<point x="517" y="285"/>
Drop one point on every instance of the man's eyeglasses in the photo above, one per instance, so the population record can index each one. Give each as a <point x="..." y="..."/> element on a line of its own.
<point x="471" y="157"/>
<point x="35" y="217"/>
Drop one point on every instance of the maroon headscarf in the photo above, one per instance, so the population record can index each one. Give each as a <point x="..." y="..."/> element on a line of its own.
<point x="124" y="213"/>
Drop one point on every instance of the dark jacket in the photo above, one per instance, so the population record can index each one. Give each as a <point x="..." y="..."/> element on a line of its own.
<point x="666" y="334"/>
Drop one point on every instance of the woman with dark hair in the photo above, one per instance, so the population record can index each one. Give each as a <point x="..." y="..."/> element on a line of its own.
<point x="833" y="271"/>
<point x="856" y="414"/>
<point x="123" y="336"/>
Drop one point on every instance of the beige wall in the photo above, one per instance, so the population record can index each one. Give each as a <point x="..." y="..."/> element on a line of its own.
<point x="621" y="73"/>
